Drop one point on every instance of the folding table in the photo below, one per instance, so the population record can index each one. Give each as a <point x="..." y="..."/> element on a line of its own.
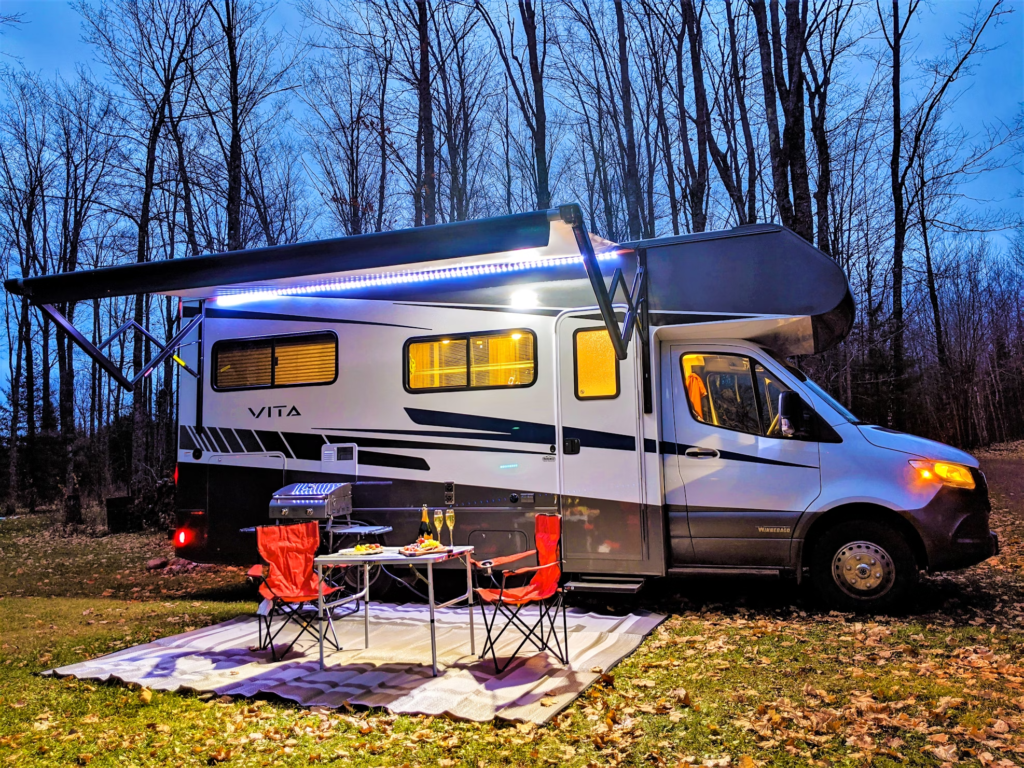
<point x="390" y="556"/>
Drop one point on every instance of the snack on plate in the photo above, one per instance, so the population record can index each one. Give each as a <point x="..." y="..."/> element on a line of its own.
<point x="366" y="549"/>
<point x="423" y="547"/>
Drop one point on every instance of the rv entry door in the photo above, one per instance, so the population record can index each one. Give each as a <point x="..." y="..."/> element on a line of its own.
<point x="599" y="452"/>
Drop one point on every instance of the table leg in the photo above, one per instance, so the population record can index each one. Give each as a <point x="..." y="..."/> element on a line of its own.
<point x="320" y="610"/>
<point x="366" y="604"/>
<point x="430" y="599"/>
<point x="469" y="591"/>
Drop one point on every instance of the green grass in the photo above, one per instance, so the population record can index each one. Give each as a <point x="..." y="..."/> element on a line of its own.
<point x="749" y="672"/>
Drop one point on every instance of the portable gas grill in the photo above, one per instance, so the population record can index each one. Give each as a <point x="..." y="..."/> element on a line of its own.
<point x="311" y="501"/>
<point x="323" y="501"/>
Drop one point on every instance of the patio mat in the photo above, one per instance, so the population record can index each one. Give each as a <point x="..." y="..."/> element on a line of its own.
<point x="394" y="672"/>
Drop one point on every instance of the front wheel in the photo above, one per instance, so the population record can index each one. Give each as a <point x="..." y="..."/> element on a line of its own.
<point x="860" y="565"/>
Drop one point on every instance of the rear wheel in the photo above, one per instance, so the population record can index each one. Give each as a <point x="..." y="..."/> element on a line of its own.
<point x="862" y="565"/>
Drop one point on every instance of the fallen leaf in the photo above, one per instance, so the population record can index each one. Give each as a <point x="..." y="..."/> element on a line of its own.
<point x="146" y="695"/>
<point x="682" y="696"/>
<point x="548" y="701"/>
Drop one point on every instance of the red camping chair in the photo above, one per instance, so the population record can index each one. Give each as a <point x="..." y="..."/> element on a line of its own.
<point x="542" y="590"/>
<point x="290" y="584"/>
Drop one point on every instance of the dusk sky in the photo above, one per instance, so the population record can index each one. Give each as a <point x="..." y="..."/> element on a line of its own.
<point x="50" y="41"/>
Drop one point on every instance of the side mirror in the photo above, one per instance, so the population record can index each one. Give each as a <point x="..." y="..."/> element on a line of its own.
<point x="795" y="416"/>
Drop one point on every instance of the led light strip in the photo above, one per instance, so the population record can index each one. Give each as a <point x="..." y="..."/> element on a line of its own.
<point x="402" y="278"/>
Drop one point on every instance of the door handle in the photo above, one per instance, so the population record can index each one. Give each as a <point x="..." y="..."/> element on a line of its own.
<point x="701" y="453"/>
<point x="570" y="446"/>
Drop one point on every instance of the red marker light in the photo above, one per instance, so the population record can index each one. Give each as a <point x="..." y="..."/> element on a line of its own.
<point x="175" y="475"/>
<point x="183" y="537"/>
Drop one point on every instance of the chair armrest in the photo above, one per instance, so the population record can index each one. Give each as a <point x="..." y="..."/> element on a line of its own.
<point x="254" y="574"/>
<point x="532" y="569"/>
<point x="502" y="560"/>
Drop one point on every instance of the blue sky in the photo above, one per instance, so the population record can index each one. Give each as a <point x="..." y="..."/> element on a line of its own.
<point x="50" y="41"/>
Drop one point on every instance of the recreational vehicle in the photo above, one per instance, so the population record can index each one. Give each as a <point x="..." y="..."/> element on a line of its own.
<point x="517" y="365"/>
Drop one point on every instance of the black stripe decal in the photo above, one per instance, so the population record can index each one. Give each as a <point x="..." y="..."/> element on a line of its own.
<point x="590" y="438"/>
<point x="249" y="441"/>
<point x="233" y="442"/>
<point x="222" y="441"/>
<point x="242" y="314"/>
<point x="375" y="459"/>
<point x="374" y="442"/>
<point x="680" y="448"/>
<point x="428" y="433"/>
<point x="305" y="445"/>
<point x="518" y="431"/>
<point x="272" y="442"/>
<point x="197" y="433"/>
<point x="185" y="441"/>
<point x="650" y="446"/>
<point x="213" y="439"/>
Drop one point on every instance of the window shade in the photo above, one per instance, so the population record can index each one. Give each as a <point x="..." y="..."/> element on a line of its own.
<point x="275" y="361"/>
<point x="472" y="361"/>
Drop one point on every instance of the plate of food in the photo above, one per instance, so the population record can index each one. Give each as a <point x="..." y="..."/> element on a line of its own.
<point x="423" y="547"/>
<point x="362" y="549"/>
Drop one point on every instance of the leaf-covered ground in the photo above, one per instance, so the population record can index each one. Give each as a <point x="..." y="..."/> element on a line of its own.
<point x="743" y="673"/>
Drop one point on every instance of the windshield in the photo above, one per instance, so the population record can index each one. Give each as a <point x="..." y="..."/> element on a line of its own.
<point x="831" y="401"/>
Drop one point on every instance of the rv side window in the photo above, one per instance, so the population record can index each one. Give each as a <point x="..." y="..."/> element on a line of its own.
<point x="275" y="361"/>
<point x="597" y="367"/>
<point x="489" y="360"/>
<point x="732" y="392"/>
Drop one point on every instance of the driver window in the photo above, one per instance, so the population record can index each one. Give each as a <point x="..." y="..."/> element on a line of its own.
<point x="720" y="391"/>
<point x="768" y="390"/>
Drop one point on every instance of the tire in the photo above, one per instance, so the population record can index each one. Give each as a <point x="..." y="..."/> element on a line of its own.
<point x="863" y="566"/>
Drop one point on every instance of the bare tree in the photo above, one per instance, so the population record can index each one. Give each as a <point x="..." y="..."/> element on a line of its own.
<point x="527" y="87"/>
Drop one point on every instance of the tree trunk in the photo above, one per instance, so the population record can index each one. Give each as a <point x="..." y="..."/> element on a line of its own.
<point x="12" y="459"/>
<point x="234" y="169"/>
<point x="540" y="123"/>
<point x="140" y="413"/>
<point x="428" y="181"/>
<point x="632" y="180"/>
<point x="780" y="177"/>
<point x="900" y="224"/>
<point x="933" y="293"/>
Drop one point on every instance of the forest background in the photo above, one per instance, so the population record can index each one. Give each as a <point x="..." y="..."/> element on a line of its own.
<point x="886" y="133"/>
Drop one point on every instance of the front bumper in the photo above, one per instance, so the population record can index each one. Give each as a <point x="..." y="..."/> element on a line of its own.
<point x="954" y="527"/>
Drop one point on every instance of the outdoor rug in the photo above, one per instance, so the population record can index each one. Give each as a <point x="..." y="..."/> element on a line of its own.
<point x="394" y="672"/>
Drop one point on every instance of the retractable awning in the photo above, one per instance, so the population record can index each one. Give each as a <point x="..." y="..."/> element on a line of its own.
<point x="348" y="266"/>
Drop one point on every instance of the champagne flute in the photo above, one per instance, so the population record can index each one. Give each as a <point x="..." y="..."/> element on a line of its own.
<point x="449" y="518"/>
<point x="438" y="521"/>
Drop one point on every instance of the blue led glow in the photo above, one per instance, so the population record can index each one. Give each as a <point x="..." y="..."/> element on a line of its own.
<point x="402" y="278"/>
<point x="507" y="466"/>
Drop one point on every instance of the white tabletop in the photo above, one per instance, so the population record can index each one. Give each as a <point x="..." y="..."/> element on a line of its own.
<point x="390" y="556"/>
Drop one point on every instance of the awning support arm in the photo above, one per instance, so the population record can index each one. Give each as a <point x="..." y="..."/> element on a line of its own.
<point x="96" y="353"/>
<point x="620" y="336"/>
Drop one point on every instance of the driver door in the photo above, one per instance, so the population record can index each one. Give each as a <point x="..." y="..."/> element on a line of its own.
<point x="746" y="485"/>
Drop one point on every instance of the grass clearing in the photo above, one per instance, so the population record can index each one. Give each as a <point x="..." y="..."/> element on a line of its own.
<point x="744" y="673"/>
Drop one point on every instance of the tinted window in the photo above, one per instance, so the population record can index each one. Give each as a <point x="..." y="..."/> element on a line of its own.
<point x="720" y="391"/>
<point x="275" y="361"/>
<point x="768" y="390"/>
<point x="472" y="361"/>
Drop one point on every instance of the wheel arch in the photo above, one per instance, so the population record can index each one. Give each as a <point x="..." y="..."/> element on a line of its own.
<point x="863" y="511"/>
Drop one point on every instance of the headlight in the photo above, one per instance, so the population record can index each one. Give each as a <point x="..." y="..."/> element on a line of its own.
<point x="954" y="475"/>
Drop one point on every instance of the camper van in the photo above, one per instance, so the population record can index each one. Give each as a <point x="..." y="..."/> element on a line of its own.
<point x="518" y="365"/>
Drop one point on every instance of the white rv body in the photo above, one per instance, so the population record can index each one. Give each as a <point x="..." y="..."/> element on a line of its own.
<point x="699" y="449"/>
